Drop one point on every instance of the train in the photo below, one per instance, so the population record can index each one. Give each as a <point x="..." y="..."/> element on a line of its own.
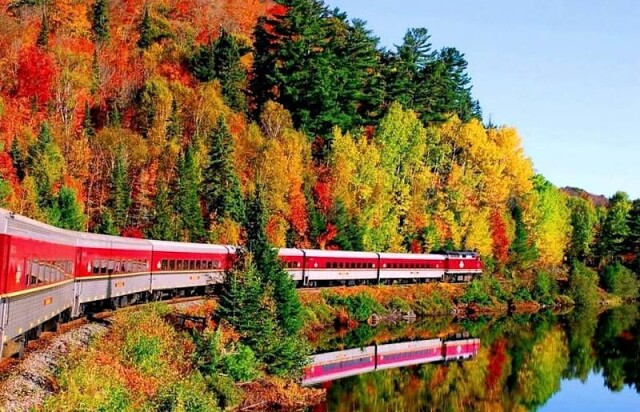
<point x="49" y="275"/>
<point x="330" y="366"/>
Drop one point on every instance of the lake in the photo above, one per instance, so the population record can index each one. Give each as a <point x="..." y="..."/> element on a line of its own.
<point x="580" y="360"/>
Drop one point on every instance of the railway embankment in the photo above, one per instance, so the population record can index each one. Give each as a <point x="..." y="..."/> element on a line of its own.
<point x="146" y="361"/>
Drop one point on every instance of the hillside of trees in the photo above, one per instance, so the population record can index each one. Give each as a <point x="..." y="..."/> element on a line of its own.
<point x="158" y="118"/>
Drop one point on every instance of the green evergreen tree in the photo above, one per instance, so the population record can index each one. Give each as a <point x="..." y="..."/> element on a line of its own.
<point x="202" y="63"/>
<point x="87" y="122"/>
<point x="229" y="70"/>
<point x="120" y="191"/>
<point x="221" y="186"/>
<point x="633" y="222"/>
<point x="100" y="21"/>
<point x="66" y="212"/>
<point x="615" y="227"/>
<point x="523" y="251"/>
<point x="162" y="223"/>
<point x="18" y="158"/>
<point x="270" y="268"/>
<point x="187" y="202"/>
<point x="43" y="35"/>
<point x="349" y="236"/>
<point x="5" y="191"/>
<point x="106" y="224"/>
<point x="174" y="124"/>
<point x="46" y="164"/>
<point x="583" y="221"/>
<point x="95" y="73"/>
<point x="146" y="36"/>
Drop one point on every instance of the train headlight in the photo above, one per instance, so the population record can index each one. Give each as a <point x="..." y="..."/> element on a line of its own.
<point x="315" y="265"/>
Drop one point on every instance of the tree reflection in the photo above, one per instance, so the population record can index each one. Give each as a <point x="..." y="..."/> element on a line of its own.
<point x="520" y="365"/>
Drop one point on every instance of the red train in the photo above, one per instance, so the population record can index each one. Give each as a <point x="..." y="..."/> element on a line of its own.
<point x="48" y="275"/>
<point x="336" y="365"/>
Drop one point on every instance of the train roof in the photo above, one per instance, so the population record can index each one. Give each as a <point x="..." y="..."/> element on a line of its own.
<point x="115" y="242"/>
<point x="411" y="256"/>
<point x="165" y="246"/>
<point x="339" y="254"/>
<point x="17" y="225"/>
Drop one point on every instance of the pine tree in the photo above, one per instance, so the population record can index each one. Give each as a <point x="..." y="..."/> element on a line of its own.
<point x="269" y="267"/>
<point x="174" y="125"/>
<point x="100" y="21"/>
<point x="95" y="73"/>
<point x="87" y="122"/>
<point x="43" y="35"/>
<point x="5" y="191"/>
<point x="120" y="191"/>
<point x="187" y="202"/>
<point x="18" y="158"/>
<point x="221" y="186"/>
<point x="633" y="239"/>
<point x="349" y="235"/>
<point x="523" y="252"/>
<point x="202" y="63"/>
<point x="162" y="227"/>
<point x="106" y="224"/>
<point x="615" y="228"/>
<point x="45" y="163"/>
<point x="146" y="36"/>
<point x="229" y="70"/>
<point x="66" y="211"/>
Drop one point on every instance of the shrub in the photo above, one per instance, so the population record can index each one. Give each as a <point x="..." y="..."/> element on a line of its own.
<point x="522" y="294"/>
<point x="225" y="389"/>
<point x="434" y="304"/>
<point x="476" y="293"/>
<point x="190" y="394"/>
<point x="544" y="288"/>
<point x="397" y="303"/>
<point x="242" y="366"/>
<point x="620" y="281"/>
<point x="359" y="307"/>
<point x="583" y="285"/>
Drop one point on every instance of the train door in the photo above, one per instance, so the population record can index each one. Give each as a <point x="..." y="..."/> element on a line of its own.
<point x="305" y="271"/>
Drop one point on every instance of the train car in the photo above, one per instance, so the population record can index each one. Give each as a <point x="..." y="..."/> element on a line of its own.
<point x="396" y="355"/>
<point x="293" y="262"/>
<point x="36" y="278"/>
<point x="461" y="349"/>
<point x="462" y="266"/>
<point x="409" y="266"/>
<point x="328" y="267"/>
<point x="111" y="270"/>
<point x="188" y="266"/>
<point x="340" y="364"/>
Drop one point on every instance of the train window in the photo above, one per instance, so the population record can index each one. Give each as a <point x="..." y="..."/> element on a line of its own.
<point x="198" y="265"/>
<point x="209" y="264"/>
<point x="179" y="265"/>
<point x="216" y="264"/>
<point x="164" y="264"/>
<point x="341" y="265"/>
<point x="172" y="264"/>
<point x="204" y="264"/>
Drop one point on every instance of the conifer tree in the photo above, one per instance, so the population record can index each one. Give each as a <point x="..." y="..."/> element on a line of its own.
<point x="221" y="186"/>
<point x="187" y="202"/>
<point x="174" y="125"/>
<point x="615" y="228"/>
<point x="269" y="267"/>
<point x="162" y="225"/>
<point x="523" y="252"/>
<point x="349" y="236"/>
<point x="18" y="158"/>
<point x="87" y="122"/>
<point x="106" y="224"/>
<point x="202" y="63"/>
<point x="146" y="36"/>
<point x="633" y="239"/>
<point x="100" y="21"/>
<point x="66" y="211"/>
<point x="43" y="35"/>
<point x="229" y="70"/>
<point x="45" y="163"/>
<point x="120" y="190"/>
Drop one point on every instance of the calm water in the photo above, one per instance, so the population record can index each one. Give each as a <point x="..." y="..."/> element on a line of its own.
<point x="578" y="361"/>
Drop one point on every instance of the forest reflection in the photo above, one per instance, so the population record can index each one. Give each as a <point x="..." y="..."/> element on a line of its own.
<point x="518" y="365"/>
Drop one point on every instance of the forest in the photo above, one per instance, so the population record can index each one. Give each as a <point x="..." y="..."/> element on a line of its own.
<point x="161" y="118"/>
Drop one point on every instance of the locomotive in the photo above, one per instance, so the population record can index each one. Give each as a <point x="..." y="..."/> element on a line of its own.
<point x="50" y="275"/>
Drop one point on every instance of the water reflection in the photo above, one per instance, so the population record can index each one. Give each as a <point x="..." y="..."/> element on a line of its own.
<point x="340" y="364"/>
<point x="520" y="365"/>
